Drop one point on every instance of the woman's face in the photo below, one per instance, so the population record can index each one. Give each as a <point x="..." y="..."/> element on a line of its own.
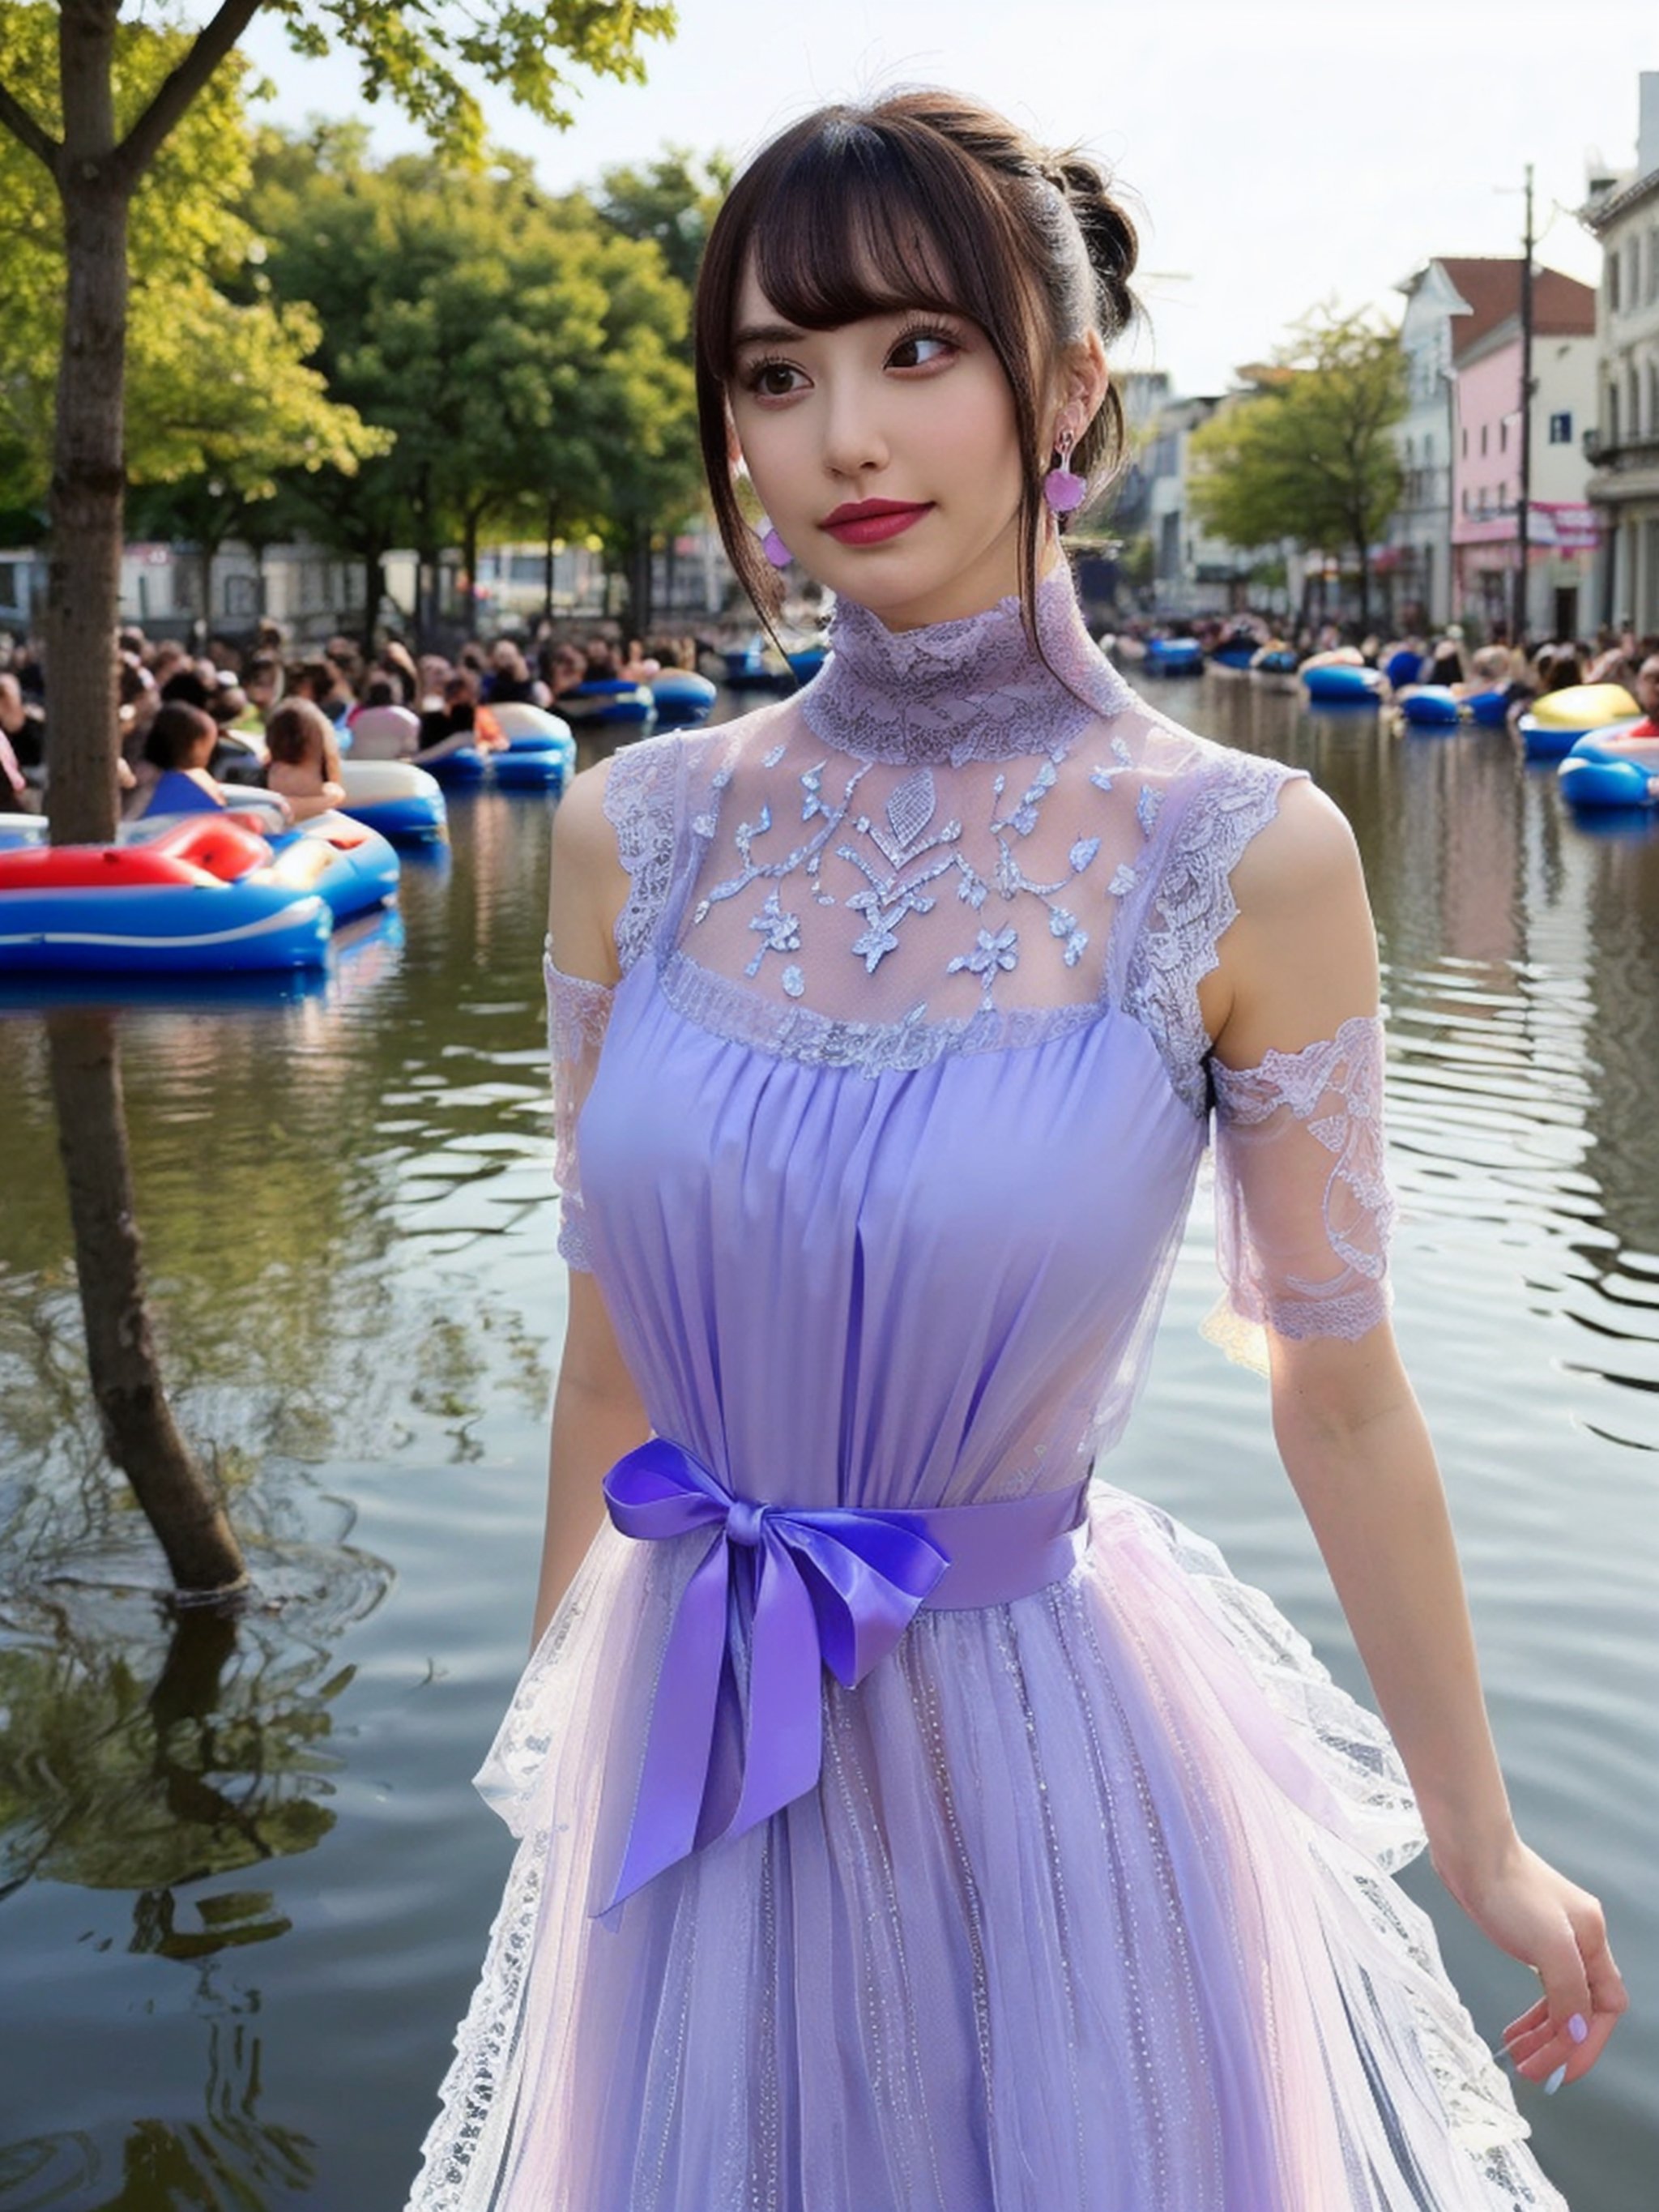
<point x="885" y="454"/>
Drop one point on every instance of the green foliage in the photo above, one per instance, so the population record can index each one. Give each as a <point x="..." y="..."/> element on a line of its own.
<point x="422" y="57"/>
<point x="1307" y="457"/>
<point x="217" y="385"/>
<point x="672" y="201"/>
<point x="529" y="359"/>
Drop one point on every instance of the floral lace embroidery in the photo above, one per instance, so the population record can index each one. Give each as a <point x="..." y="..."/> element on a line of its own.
<point x="957" y="691"/>
<point x="1330" y="1094"/>
<point x="1192" y="907"/>
<point x="578" y="1013"/>
<point x="638" y="802"/>
<point x="900" y="855"/>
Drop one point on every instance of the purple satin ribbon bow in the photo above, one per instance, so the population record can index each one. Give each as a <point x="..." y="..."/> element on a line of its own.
<point x="837" y="1585"/>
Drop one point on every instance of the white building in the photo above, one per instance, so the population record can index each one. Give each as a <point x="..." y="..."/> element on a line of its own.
<point x="1623" y="213"/>
<point x="1192" y="573"/>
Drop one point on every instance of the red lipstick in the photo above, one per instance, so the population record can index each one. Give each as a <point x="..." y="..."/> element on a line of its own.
<point x="870" y="521"/>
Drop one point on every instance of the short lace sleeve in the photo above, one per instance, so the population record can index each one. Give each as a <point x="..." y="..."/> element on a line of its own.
<point x="577" y="1012"/>
<point x="1302" y="1204"/>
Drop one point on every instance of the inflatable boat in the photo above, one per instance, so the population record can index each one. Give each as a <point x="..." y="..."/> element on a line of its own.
<point x="682" y="698"/>
<point x="1433" y="707"/>
<point x="1609" y="768"/>
<point x="1340" y="684"/>
<point x="200" y="894"/>
<point x="1560" y="718"/>
<point x="401" y="801"/>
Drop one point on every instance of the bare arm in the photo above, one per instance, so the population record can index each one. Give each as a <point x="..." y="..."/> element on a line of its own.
<point x="1299" y="961"/>
<point x="597" y="1413"/>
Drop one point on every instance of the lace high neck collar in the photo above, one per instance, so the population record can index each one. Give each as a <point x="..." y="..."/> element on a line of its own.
<point x="973" y="688"/>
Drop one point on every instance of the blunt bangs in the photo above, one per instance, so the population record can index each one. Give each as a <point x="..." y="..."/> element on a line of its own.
<point x="862" y="222"/>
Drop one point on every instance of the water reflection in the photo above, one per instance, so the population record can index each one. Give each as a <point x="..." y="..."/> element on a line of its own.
<point x="229" y="2157"/>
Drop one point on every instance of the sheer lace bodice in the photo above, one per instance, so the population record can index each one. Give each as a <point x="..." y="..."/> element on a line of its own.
<point x="1007" y="853"/>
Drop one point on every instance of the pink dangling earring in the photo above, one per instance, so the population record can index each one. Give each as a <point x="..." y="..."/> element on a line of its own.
<point x="1063" y="488"/>
<point x="774" y="547"/>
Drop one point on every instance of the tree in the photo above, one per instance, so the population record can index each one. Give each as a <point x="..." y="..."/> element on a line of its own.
<point x="673" y="203"/>
<point x="100" y="124"/>
<point x="1306" y="456"/>
<point x="531" y="361"/>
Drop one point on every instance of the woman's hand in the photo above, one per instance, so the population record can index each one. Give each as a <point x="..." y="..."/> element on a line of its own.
<point x="1551" y="1925"/>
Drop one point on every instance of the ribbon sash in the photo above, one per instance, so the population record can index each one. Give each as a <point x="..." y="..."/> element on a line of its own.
<point x="835" y="1587"/>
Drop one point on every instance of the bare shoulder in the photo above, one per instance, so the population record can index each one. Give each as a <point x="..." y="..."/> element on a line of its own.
<point x="1302" y="858"/>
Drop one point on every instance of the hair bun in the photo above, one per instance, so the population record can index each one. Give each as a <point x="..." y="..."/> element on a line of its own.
<point x="1107" y="232"/>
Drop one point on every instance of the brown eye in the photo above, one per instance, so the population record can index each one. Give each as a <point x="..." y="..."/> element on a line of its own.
<point x="922" y="349"/>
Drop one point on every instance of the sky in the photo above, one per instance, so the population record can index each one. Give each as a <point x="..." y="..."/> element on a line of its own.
<point x="1277" y="153"/>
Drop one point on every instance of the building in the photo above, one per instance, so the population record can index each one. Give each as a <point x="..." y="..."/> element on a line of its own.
<point x="1623" y="213"/>
<point x="1485" y="472"/>
<point x="1192" y="573"/>
<point x="1453" y="303"/>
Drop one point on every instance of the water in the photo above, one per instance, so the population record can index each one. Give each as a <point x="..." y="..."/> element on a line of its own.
<point x="244" y="1881"/>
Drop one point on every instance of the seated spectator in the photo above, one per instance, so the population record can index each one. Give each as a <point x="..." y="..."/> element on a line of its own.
<point x="23" y="725"/>
<point x="1647" y="694"/>
<point x="566" y="666"/>
<point x="601" y="660"/>
<point x="177" y="745"/>
<point x="508" y="679"/>
<point x="458" y="720"/>
<point x="304" y="767"/>
<point x="381" y="730"/>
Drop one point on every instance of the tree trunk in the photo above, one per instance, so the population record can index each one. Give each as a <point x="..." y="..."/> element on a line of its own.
<point x="83" y="591"/>
<point x="469" y="564"/>
<point x="374" y="592"/>
<point x="139" y="1431"/>
<point x="1364" y="550"/>
<point x="83" y="610"/>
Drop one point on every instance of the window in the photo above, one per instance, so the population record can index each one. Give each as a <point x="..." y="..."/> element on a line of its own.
<point x="1503" y="435"/>
<point x="1466" y="442"/>
<point x="1653" y="399"/>
<point x="1561" y="428"/>
<point x="1613" y="414"/>
<point x="1653" y="264"/>
<point x="1633" y="421"/>
<point x="1612" y="275"/>
<point x="1502" y="496"/>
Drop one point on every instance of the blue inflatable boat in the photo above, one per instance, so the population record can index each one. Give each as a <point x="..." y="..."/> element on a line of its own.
<point x="1338" y="683"/>
<point x="1597" y="774"/>
<point x="1433" y="708"/>
<point x="682" y="698"/>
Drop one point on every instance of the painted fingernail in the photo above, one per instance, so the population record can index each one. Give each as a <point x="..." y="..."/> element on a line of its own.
<point x="1555" y="2079"/>
<point x="1577" y="2027"/>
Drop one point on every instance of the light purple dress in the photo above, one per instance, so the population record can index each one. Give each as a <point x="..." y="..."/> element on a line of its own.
<point x="880" y="1152"/>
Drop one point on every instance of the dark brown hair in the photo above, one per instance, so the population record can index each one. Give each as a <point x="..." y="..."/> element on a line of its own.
<point x="290" y="730"/>
<point x="175" y="731"/>
<point x="920" y="200"/>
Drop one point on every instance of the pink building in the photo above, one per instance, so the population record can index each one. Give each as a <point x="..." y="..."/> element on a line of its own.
<point x="1486" y="463"/>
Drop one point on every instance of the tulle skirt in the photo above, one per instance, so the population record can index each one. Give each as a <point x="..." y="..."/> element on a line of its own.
<point x="1091" y="1911"/>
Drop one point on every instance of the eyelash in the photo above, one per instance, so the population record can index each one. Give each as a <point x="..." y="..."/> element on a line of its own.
<point x="757" y="370"/>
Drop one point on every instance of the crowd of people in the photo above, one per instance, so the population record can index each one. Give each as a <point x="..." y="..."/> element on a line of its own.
<point x="1445" y="658"/>
<point x="194" y="725"/>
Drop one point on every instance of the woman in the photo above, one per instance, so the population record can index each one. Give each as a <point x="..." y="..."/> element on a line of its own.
<point x="905" y="1822"/>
